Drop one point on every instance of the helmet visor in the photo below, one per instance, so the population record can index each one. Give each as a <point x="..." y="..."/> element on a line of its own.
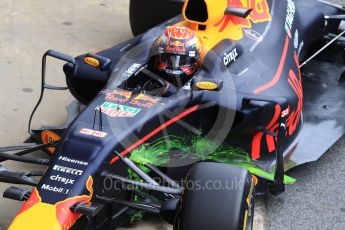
<point x="176" y="60"/>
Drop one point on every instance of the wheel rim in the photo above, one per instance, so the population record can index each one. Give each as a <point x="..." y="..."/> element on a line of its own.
<point x="249" y="213"/>
<point x="250" y="219"/>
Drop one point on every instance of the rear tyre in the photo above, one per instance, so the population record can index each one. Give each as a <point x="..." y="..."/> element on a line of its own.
<point x="145" y="14"/>
<point x="217" y="196"/>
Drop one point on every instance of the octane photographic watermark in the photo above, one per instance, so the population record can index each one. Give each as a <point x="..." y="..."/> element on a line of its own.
<point x="110" y="184"/>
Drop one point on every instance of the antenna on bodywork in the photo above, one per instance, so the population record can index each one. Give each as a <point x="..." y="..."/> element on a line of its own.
<point x="98" y="110"/>
<point x="339" y="7"/>
<point x="322" y="49"/>
<point x="340" y="18"/>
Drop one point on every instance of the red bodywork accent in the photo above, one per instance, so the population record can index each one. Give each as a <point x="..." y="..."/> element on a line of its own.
<point x="278" y="74"/>
<point x="292" y="121"/>
<point x="154" y="132"/>
<point x="296" y="84"/>
<point x="260" y="13"/>
<point x="272" y="126"/>
<point x="58" y="216"/>
<point x="223" y="23"/>
<point x="64" y="215"/>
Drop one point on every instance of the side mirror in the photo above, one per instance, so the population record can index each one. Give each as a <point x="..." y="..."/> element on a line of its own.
<point x="97" y="61"/>
<point x="207" y="84"/>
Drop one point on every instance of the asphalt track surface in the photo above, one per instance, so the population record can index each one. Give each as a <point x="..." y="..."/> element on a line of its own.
<point x="317" y="200"/>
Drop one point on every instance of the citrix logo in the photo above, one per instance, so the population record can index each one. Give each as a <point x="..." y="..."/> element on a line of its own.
<point x="230" y="57"/>
<point x="61" y="179"/>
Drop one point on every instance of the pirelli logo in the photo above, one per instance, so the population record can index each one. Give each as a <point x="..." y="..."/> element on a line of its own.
<point x="68" y="170"/>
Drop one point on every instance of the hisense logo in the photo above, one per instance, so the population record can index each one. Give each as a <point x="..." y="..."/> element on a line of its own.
<point x="73" y="161"/>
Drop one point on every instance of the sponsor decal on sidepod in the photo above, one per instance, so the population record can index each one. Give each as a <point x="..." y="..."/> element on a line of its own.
<point x="117" y="110"/>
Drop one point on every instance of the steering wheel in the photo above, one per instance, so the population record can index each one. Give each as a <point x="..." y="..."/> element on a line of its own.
<point x="157" y="86"/>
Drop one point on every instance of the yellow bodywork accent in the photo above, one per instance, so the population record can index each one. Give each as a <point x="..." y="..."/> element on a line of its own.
<point x="41" y="216"/>
<point x="219" y="26"/>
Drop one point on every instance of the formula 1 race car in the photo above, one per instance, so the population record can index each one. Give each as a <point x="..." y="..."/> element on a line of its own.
<point x="268" y="95"/>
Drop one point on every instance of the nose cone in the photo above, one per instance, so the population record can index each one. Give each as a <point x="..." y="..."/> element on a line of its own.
<point x="35" y="214"/>
<point x="39" y="216"/>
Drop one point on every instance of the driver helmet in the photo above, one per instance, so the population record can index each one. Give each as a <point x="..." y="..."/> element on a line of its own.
<point x="178" y="54"/>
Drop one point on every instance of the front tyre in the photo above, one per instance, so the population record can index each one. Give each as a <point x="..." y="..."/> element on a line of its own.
<point x="217" y="196"/>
